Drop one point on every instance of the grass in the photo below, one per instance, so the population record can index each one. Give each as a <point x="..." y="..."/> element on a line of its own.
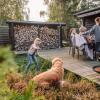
<point x="21" y="61"/>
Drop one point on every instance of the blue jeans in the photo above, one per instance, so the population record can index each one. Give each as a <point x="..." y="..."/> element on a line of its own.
<point x="32" y="59"/>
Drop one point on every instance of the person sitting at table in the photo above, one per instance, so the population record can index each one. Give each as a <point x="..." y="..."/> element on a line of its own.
<point x="79" y="41"/>
<point x="89" y="51"/>
<point x="72" y="35"/>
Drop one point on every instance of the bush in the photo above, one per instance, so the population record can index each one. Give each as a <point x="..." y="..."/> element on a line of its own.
<point x="7" y="64"/>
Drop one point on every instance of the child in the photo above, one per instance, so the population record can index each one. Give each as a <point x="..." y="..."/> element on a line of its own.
<point x="73" y="31"/>
<point x="73" y="36"/>
<point x="32" y="54"/>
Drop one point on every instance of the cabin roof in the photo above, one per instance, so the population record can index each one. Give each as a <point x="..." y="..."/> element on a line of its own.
<point x="87" y="13"/>
<point x="36" y="23"/>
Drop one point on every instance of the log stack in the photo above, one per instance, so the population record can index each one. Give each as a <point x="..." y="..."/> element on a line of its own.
<point x="24" y="36"/>
<point x="50" y="37"/>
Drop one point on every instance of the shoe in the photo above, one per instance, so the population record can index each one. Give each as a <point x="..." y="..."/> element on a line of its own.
<point x="98" y="58"/>
<point x="90" y="59"/>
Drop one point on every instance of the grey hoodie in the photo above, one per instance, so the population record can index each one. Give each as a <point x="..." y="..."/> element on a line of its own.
<point x="96" y="31"/>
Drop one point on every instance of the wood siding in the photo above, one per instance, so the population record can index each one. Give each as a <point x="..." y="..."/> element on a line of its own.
<point x="4" y="35"/>
<point x="90" y="21"/>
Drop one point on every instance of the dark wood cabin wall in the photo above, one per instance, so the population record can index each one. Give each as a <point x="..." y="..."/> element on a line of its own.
<point x="90" y="21"/>
<point x="4" y="35"/>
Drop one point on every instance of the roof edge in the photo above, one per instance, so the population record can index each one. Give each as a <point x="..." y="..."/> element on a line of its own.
<point x="35" y="22"/>
<point x="86" y="11"/>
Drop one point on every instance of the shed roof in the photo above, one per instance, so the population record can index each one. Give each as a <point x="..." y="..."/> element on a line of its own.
<point x="87" y="13"/>
<point x="36" y="23"/>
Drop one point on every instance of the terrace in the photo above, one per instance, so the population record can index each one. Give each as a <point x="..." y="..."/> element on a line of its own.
<point x="81" y="66"/>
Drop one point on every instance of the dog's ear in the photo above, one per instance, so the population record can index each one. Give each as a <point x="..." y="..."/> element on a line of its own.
<point x="55" y="60"/>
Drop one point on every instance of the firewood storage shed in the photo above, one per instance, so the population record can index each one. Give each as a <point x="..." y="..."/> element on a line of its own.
<point x="23" y="33"/>
<point x="88" y="16"/>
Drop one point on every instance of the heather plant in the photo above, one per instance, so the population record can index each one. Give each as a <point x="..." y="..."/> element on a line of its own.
<point x="29" y="94"/>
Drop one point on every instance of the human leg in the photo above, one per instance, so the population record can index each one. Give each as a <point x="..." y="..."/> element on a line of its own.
<point x="89" y="52"/>
<point x="30" y="61"/>
<point x="36" y="62"/>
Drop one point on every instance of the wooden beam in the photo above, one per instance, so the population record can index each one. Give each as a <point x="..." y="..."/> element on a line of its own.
<point x="11" y="36"/>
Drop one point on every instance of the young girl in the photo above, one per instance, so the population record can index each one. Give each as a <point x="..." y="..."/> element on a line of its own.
<point x="32" y="55"/>
<point x="73" y="36"/>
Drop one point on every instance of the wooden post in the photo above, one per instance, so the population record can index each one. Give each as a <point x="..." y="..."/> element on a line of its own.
<point x="11" y="36"/>
<point x="38" y="31"/>
<point x="60" y="36"/>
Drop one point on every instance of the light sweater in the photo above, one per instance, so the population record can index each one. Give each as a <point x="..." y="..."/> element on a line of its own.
<point x="33" y="49"/>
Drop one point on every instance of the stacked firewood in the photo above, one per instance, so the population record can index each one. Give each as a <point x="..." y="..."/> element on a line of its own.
<point x="24" y="36"/>
<point x="49" y="37"/>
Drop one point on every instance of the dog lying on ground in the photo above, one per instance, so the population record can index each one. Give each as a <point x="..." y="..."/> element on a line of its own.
<point x="52" y="76"/>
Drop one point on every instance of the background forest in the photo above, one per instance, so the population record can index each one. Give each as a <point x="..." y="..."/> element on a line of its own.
<point x="63" y="10"/>
<point x="58" y="10"/>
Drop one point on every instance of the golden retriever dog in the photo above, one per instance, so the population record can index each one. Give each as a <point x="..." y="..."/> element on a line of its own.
<point x="52" y="76"/>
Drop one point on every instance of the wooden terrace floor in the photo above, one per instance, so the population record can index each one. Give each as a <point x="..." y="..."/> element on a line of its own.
<point x="79" y="66"/>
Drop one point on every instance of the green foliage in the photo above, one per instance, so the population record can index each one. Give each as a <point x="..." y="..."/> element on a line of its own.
<point x="12" y="10"/>
<point x="4" y="90"/>
<point x="7" y="64"/>
<point x="87" y="4"/>
<point x="6" y="61"/>
<point x="62" y="11"/>
<point x="21" y="61"/>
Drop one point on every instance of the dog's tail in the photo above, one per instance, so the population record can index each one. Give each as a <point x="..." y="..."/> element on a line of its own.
<point x="64" y="84"/>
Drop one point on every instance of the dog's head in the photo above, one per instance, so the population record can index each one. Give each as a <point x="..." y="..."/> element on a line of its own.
<point x="57" y="62"/>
